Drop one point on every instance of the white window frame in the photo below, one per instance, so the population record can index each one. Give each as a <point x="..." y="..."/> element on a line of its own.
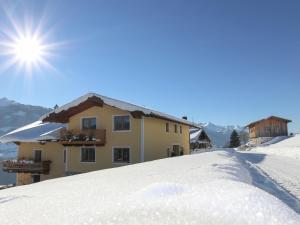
<point x="87" y="117"/>
<point x="113" y="123"/>
<point x="121" y="163"/>
<point x="81" y="154"/>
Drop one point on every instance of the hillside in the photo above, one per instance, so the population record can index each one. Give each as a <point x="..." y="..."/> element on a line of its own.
<point x="286" y="146"/>
<point x="14" y="114"/>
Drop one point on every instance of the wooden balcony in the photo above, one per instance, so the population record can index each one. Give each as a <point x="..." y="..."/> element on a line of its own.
<point x="26" y="166"/>
<point x="93" y="137"/>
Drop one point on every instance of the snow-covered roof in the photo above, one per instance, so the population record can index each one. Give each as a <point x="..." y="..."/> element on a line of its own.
<point x="118" y="104"/>
<point x="34" y="132"/>
<point x="195" y="135"/>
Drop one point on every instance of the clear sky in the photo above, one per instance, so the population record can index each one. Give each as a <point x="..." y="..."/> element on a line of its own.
<point x="228" y="62"/>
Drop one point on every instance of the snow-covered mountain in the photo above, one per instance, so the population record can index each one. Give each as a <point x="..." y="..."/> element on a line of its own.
<point x="220" y="135"/>
<point x="12" y="116"/>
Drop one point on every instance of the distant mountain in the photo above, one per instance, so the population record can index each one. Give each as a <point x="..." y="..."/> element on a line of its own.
<point x="220" y="135"/>
<point x="14" y="114"/>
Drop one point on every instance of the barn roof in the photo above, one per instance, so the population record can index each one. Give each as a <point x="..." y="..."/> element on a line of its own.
<point x="268" y="118"/>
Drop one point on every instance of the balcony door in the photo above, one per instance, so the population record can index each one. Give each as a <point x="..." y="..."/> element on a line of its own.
<point x="37" y="155"/>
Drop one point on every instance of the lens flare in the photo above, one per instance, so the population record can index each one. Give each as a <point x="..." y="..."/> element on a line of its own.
<point x="28" y="47"/>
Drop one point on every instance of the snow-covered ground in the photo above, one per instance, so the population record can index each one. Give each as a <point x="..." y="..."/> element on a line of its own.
<point x="283" y="170"/>
<point x="207" y="188"/>
<point x="289" y="147"/>
<point x="279" y="159"/>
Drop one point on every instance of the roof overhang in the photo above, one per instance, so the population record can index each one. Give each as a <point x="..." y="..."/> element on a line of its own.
<point x="269" y="118"/>
<point x="63" y="114"/>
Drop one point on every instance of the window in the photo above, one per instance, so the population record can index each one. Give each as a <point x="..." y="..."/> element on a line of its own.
<point x="121" y="155"/>
<point x="121" y="123"/>
<point x="167" y="127"/>
<point x="176" y="150"/>
<point x="88" y="155"/>
<point x="37" y="156"/>
<point x="36" y="178"/>
<point x="180" y="129"/>
<point x="88" y="123"/>
<point x="175" y="128"/>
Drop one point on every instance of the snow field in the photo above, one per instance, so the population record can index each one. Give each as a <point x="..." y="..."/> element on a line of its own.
<point x="207" y="188"/>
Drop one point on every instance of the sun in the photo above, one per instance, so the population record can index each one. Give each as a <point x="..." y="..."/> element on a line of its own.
<point x="28" y="49"/>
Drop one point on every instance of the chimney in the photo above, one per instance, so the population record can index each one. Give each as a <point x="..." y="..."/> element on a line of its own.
<point x="184" y="117"/>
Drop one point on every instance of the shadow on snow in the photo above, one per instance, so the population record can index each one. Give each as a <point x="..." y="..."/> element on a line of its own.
<point x="261" y="180"/>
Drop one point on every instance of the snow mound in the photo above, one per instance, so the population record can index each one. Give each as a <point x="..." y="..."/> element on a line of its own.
<point x="163" y="190"/>
<point x="289" y="147"/>
<point x="207" y="188"/>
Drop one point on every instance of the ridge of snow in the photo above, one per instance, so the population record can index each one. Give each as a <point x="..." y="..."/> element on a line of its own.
<point x="283" y="146"/>
<point x="207" y="188"/>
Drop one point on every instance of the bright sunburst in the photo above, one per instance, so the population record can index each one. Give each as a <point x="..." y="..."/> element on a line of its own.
<point x="26" y="47"/>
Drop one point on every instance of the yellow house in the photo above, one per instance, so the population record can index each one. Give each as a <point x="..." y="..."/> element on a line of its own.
<point x="91" y="133"/>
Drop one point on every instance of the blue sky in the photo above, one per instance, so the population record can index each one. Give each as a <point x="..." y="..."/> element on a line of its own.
<point x="228" y="62"/>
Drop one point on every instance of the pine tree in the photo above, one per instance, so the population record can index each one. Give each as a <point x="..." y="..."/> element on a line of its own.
<point x="234" y="140"/>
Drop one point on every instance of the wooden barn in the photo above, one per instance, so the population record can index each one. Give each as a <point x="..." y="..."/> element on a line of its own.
<point x="199" y="140"/>
<point x="272" y="126"/>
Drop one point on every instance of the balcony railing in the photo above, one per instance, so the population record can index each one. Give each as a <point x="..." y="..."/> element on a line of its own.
<point x="26" y="166"/>
<point x="82" y="137"/>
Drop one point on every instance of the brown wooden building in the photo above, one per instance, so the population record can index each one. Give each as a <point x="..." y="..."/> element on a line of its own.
<point x="272" y="126"/>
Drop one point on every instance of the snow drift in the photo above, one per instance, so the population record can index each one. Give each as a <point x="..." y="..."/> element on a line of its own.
<point x="289" y="147"/>
<point x="207" y="188"/>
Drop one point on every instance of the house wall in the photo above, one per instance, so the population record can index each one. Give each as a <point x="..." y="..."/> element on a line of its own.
<point x="104" y="120"/>
<point x="158" y="141"/>
<point x="269" y="128"/>
<point x="52" y="151"/>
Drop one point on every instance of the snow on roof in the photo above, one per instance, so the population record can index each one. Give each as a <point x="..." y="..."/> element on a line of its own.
<point x="195" y="135"/>
<point x="34" y="132"/>
<point x="121" y="105"/>
<point x="194" y="189"/>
